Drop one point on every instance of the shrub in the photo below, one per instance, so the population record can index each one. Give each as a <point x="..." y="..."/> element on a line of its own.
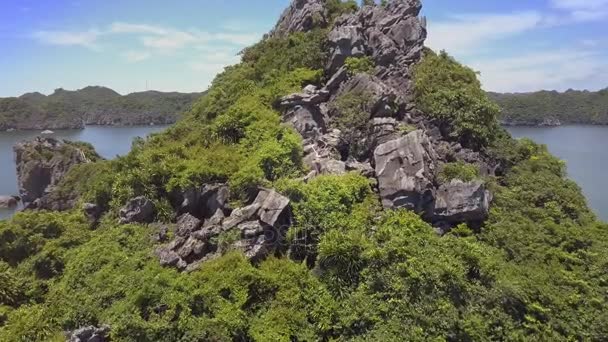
<point x="336" y="8"/>
<point x="351" y="114"/>
<point x="459" y="170"/>
<point x="357" y="65"/>
<point x="451" y="94"/>
<point x="284" y="54"/>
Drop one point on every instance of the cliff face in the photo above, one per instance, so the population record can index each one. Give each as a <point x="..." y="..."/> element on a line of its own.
<point x="91" y="106"/>
<point x="42" y="163"/>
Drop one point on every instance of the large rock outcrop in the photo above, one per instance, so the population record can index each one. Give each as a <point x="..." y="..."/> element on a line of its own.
<point x="202" y="202"/>
<point x="405" y="165"/>
<point x="392" y="35"/>
<point x="301" y="16"/>
<point x="137" y="210"/>
<point x="41" y="164"/>
<point x="256" y="229"/>
<point x="9" y="201"/>
<point x="460" y="201"/>
<point x="405" y="170"/>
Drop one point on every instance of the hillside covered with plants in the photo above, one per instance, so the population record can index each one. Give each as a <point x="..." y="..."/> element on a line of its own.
<point x="92" y="106"/>
<point x="341" y="183"/>
<point x="572" y="106"/>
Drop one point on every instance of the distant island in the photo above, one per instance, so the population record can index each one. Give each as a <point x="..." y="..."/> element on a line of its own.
<point x="552" y="108"/>
<point x="65" y="109"/>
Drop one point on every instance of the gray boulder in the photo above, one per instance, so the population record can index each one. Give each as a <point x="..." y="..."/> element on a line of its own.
<point x="170" y="258"/>
<point x="404" y="169"/>
<point x="213" y="197"/>
<point x="382" y="130"/>
<point x="90" y="334"/>
<point x="381" y="99"/>
<point x="363" y="168"/>
<point x="260" y="228"/>
<point x="337" y="79"/>
<point x="186" y="225"/>
<point x="138" y="210"/>
<point x="310" y="97"/>
<point x="307" y="120"/>
<point x="301" y="16"/>
<point x="92" y="211"/>
<point x="274" y="208"/>
<point x="269" y="207"/>
<point x="346" y="40"/>
<point x="255" y="248"/>
<point x="323" y="156"/>
<point x="459" y="202"/>
<point x="202" y="202"/>
<point x="9" y="201"/>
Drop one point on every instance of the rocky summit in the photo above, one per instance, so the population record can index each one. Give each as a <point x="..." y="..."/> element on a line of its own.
<point x="406" y="164"/>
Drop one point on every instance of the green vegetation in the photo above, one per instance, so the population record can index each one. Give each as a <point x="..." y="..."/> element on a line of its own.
<point x="357" y="65"/>
<point x="572" y="106"/>
<point x="451" y="94"/>
<point x="351" y="114"/>
<point x="536" y="270"/>
<point x="459" y="170"/>
<point x="336" y="8"/>
<point x="91" y="105"/>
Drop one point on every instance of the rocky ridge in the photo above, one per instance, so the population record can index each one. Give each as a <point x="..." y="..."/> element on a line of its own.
<point x="404" y="164"/>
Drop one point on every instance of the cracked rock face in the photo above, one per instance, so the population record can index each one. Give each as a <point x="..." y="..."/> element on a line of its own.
<point x="393" y="36"/>
<point x="202" y="202"/>
<point x="138" y="210"/>
<point x="257" y="230"/>
<point x="462" y="202"/>
<point x="41" y="164"/>
<point x="381" y="98"/>
<point x="301" y="16"/>
<point x="404" y="168"/>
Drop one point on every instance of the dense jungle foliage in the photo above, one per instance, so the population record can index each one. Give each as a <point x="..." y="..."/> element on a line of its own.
<point x="536" y="270"/>
<point x="91" y="105"/>
<point x="572" y="106"/>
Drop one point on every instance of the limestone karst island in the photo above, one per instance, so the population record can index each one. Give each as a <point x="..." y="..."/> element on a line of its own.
<point x="343" y="178"/>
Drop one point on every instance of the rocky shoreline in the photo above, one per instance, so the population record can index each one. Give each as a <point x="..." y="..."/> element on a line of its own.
<point x="543" y="123"/>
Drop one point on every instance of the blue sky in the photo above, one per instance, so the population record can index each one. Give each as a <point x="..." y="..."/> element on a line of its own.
<point x="180" y="45"/>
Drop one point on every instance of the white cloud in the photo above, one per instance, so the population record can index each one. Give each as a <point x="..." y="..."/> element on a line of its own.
<point x="136" y="56"/>
<point x="579" y="4"/>
<point x="582" y="10"/>
<point x="86" y="39"/>
<point x="214" y="61"/>
<point x="590" y="43"/>
<point x="557" y="69"/>
<point x="120" y="27"/>
<point x="466" y="32"/>
<point x="500" y="47"/>
<point x="169" y="41"/>
<point x="160" y="38"/>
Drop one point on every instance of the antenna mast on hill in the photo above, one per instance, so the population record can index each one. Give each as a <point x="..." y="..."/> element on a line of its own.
<point x="146" y="85"/>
